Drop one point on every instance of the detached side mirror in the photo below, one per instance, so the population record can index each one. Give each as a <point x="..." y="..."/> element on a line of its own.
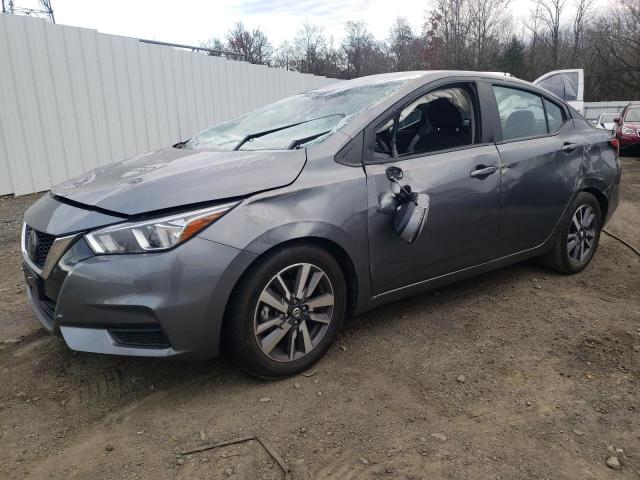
<point x="411" y="216"/>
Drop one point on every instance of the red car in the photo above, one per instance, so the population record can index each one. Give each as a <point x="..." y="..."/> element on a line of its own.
<point x="627" y="128"/>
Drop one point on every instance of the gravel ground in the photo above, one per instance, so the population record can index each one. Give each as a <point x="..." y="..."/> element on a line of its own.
<point x="517" y="374"/>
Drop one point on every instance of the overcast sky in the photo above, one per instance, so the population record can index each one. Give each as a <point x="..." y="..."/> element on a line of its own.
<point x="192" y="21"/>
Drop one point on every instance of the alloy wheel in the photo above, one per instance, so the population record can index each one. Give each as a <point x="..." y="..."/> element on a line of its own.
<point x="294" y="312"/>
<point x="582" y="234"/>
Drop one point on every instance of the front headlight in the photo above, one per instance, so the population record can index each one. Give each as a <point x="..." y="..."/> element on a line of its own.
<point x="628" y="131"/>
<point x="154" y="235"/>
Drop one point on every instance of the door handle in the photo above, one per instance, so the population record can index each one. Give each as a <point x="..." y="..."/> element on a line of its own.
<point x="569" y="147"/>
<point x="481" y="171"/>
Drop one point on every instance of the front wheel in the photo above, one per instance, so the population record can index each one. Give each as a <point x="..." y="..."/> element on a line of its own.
<point x="286" y="312"/>
<point x="577" y="237"/>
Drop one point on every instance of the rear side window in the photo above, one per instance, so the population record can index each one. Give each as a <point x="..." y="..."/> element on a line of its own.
<point x="555" y="116"/>
<point x="521" y="113"/>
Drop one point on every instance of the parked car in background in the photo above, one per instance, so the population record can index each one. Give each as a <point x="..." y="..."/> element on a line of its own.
<point x="606" y="121"/>
<point x="256" y="237"/>
<point x="627" y="129"/>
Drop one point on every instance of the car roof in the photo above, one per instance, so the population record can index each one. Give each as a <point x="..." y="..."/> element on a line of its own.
<point x="416" y="76"/>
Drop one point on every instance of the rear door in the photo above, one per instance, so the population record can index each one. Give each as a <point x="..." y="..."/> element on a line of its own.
<point x="568" y="85"/>
<point x="435" y="138"/>
<point x="541" y="153"/>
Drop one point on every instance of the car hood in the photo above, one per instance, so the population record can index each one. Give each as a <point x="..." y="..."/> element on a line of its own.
<point x="172" y="177"/>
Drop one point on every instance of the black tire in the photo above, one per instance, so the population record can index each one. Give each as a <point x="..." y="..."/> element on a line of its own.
<point x="558" y="257"/>
<point x="239" y="337"/>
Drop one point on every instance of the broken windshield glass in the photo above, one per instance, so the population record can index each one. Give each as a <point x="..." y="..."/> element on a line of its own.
<point x="312" y="115"/>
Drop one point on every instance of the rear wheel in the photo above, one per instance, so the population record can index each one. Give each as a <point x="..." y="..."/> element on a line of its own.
<point x="286" y="312"/>
<point x="577" y="237"/>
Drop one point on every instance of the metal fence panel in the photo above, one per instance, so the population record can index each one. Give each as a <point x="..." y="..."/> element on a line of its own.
<point x="72" y="99"/>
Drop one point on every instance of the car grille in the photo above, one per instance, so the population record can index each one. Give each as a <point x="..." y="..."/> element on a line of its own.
<point x="38" y="255"/>
<point x="48" y="307"/>
<point x="140" y="336"/>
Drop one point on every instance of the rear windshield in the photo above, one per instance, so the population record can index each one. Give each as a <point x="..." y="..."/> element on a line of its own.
<point x="633" y="115"/>
<point x="295" y="122"/>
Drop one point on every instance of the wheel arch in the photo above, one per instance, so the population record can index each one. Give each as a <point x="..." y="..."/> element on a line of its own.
<point x="602" y="199"/>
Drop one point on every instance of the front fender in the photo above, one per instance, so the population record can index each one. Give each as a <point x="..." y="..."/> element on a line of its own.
<point x="328" y="203"/>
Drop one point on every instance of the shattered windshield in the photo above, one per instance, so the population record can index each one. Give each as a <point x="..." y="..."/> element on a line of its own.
<point x="295" y="122"/>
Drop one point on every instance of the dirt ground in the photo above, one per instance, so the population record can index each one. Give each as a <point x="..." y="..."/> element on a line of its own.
<point x="516" y="374"/>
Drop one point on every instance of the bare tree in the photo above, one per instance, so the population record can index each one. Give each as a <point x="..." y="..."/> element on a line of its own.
<point x="403" y="46"/>
<point x="253" y="44"/>
<point x="616" y="42"/>
<point x="549" y="13"/>
<point x="489" y="23"/>
<point x="284" y="56"/>
<point x="363" y="54"/>
<point x="465" y="34"/>
<point x="309" y="47"/>
<point x="447" y="29"/>
<point x="580" y="24"/>
<point x="214" y="44"/>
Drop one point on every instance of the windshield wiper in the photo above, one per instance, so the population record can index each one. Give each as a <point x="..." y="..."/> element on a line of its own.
<point x="301" y="141"/>
<point x="251" y="136"/>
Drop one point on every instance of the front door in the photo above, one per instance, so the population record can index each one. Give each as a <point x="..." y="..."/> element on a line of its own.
<point x="435" y="141"/>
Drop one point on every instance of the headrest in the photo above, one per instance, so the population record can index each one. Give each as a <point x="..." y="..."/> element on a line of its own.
<point x="520" y="123"/>
<point x="444" y="114"/>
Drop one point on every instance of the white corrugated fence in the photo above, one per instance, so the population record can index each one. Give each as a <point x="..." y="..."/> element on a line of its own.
<point x="72" y="99"/>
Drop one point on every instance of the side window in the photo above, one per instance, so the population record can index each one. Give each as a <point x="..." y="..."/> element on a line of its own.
<point x="555" y="116"/>
<point x="440" y="120"/>
<point x="521" y="113"/>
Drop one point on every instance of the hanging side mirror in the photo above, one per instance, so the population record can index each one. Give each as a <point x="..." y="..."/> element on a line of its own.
<point x="411" y="213"/>
<point x="411" y="217"/>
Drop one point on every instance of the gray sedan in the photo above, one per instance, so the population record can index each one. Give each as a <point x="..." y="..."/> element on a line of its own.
<point x="258" y="236"/>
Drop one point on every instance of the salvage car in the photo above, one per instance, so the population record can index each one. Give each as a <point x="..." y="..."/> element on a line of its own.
<point x="258" y="236"/>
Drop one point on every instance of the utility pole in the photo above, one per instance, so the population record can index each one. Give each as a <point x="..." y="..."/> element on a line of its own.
<point x="45" y="10"/>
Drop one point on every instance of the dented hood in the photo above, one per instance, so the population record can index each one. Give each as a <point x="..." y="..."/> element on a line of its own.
<point x="171" y="177"/>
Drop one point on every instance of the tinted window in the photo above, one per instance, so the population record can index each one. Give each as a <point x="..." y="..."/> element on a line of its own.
<point x="563" y="85"/>
<point x="554" y="84"/>
<point x="555" y="116"/>
<point x="570" y="86"/>
<point x="521" y="113"/>
<point x="440" y="120"/>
